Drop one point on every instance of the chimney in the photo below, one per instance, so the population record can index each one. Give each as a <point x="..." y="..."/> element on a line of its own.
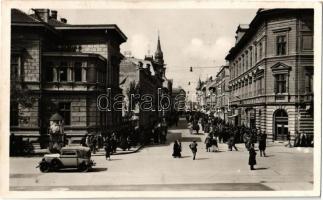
<point x="53" y="14"/>
<point x="64" y="20"/>
<point x="241" y="30"/>
<point x="42" y="14"/>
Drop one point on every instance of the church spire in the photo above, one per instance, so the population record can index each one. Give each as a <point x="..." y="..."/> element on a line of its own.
<point x="159" y="53"/>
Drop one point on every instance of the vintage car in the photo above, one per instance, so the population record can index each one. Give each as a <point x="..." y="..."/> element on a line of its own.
<point x="69" y="157"/>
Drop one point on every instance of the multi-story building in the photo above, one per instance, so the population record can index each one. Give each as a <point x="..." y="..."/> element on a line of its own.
<point x="205" y="93"/>
<point x="178" y="99"/>
<point x="140" y="79"/>
<point x="271" y="73"/>
<point x="60" y="67"/>
<point x="145" y="81"/>
<point x="222" y="92"/>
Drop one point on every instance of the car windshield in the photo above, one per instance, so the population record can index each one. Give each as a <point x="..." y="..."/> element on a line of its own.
<point x="69" y="153"/>
<point x="84" y="154"/>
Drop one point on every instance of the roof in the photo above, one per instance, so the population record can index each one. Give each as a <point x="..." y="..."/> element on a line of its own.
<point x="136" y="61"/>
<point x="56" y="23"/>
<point x="93" y="27"/>
<point x="242" y="27"/>
<point x="21" y="17"/>
<point x="177" y="90"/>
<point x="73" y="54"/>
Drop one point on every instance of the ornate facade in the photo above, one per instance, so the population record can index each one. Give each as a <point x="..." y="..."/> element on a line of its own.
<point x="271" y="73"/>
<point x="61" y="68"/>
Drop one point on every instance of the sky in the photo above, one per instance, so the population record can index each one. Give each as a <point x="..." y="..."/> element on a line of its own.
<point x="189" y="37"/>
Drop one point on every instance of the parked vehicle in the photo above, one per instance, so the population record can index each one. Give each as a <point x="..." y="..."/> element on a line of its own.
<point x="69" y="157"/>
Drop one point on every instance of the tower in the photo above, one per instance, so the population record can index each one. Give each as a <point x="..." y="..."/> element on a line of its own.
<point x="159" y="58"/>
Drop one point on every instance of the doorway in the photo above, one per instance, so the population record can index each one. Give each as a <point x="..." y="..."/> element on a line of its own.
<point x="280" y="124"/>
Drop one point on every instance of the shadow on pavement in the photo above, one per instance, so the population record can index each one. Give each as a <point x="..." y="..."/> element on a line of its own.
<point x="96" y="169"/>
<point x="114" y="159"/>
<point x="186" y="157"/>
<point x="100" y="169"/>
<point x="261" y="168"/>
<point x="201" y="158"/>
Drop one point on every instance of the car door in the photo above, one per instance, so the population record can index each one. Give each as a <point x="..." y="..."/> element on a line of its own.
<point x="69" y="158"/>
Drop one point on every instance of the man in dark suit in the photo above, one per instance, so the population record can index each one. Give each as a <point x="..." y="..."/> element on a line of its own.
<point x="193" y="147"/>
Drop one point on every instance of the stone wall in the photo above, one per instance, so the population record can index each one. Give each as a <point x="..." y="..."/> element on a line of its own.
<point x="31" y="60"/>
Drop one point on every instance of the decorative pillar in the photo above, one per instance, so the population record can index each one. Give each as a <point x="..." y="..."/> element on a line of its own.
<point x="69" y="72"/>
<point x="55" y="72"/>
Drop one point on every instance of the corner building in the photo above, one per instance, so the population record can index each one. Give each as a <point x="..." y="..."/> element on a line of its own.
<point x="64" y="68"/>
<point x="271" y="73"/>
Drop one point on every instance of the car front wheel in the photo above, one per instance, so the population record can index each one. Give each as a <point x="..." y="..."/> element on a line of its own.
<point x="44" y="167"/>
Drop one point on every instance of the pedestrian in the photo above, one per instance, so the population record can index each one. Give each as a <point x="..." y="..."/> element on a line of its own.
<point x="252" y="157"/>
<point x="114" y="142"/>
<point x="231" y="143"/>
<point x="193" y="147"/>
<point x="262" y="144"/>
<point x="196" y="126"/>
<point x="207" y="143"/>
<point x="129" y="142"/>
<point x="107" y="148"/>
<point x="190" y="127"/>
<point x="176" y="119"/>
<point x="94" y="143"/>
<point x="214" y="144"/>
<point x="176" y="150"/>
<point x="180" y="147"/>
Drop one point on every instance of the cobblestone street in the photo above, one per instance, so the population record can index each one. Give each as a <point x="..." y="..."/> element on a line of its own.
<point x="153" y="168"/>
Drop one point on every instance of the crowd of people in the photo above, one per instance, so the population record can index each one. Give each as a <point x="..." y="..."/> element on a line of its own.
<point x="217" y="131"/>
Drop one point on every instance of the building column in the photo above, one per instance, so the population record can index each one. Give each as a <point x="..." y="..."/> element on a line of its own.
<point x="84" y="68"/>
<point x="69" y="72"/>
<point x="55" y="72"/>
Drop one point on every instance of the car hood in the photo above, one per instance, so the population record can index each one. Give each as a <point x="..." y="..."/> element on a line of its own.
<point x="53" y="155"/>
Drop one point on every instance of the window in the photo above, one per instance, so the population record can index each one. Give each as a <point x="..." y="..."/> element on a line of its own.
<point x="15" y="67"/>
<point x="256" y="58"/>
<point x="260" y="50"/>
<point x="309" y="81"/>
<point x="242" y="63"/>
<point x="69" y="153"/>
<point x="78" y="72"/>
<point x="280" y="83"/>
<point x="281" y="45"/>
<point x="65" y="111"/>
<point x="247" y="60"/>
<point x="251" y="61"/>
<point x="63" y="72"/>
<point x="49" y="72"/>
<point x="307" y="42"/>
<point x="14" y="121"/>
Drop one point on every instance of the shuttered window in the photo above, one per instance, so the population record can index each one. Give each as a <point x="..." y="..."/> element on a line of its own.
<point x="280" y="83"/>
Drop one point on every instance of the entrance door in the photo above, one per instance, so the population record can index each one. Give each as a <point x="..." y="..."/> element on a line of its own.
<point x="281" y="131"/>
<point x="280" y="125"/>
